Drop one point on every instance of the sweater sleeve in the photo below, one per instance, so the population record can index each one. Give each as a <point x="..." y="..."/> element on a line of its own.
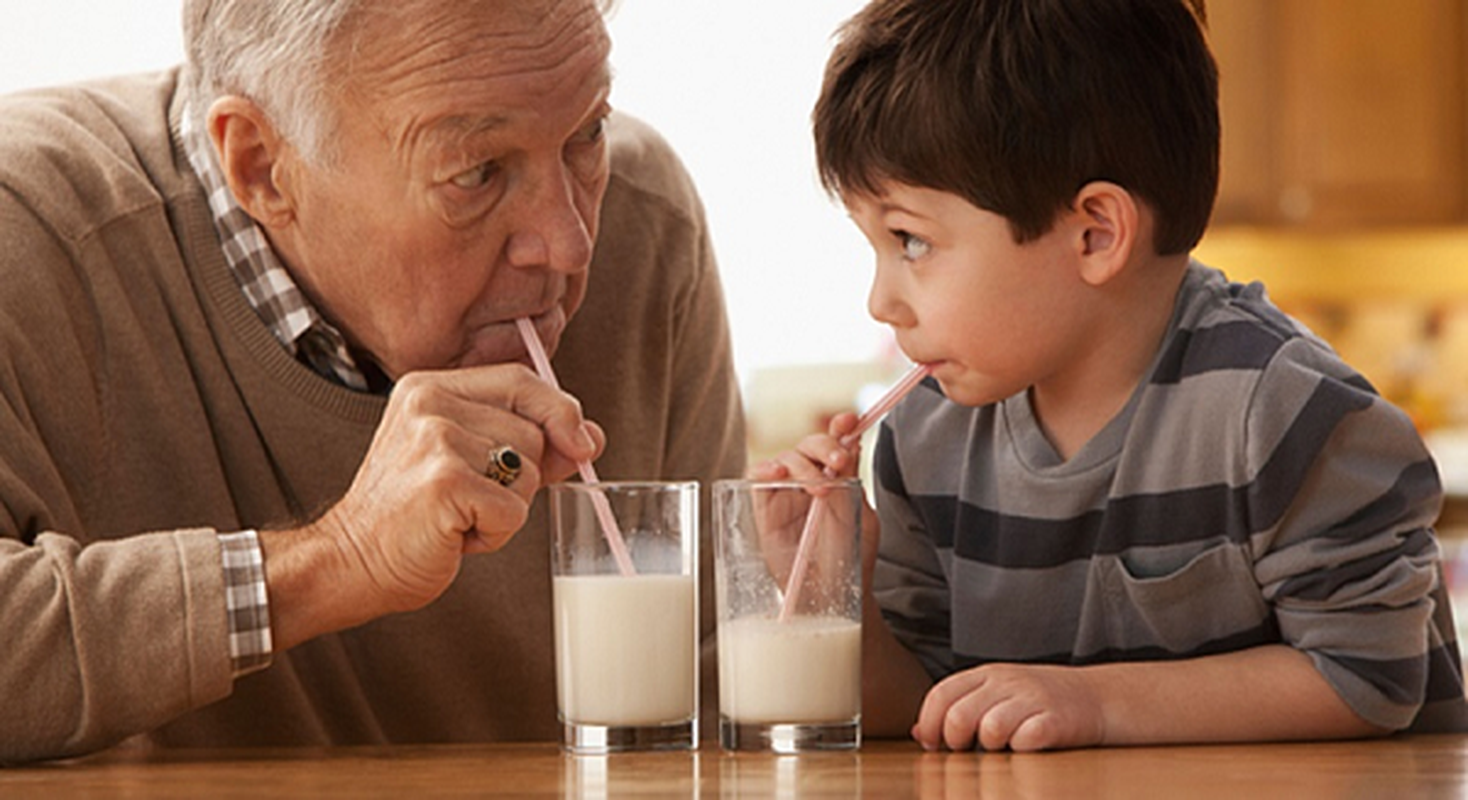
<point x="103" y="638"/>
<point x="1343" y="546"/>
<point x="706" y="425"/>
<point x="909" y="583"/>
<point x="107" y="640"/>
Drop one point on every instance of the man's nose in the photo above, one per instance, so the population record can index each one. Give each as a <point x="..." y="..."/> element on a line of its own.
<point x="552" y="230"/>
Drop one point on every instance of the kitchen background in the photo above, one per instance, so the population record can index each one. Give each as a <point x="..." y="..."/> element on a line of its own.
<point x="1345" y="184"/>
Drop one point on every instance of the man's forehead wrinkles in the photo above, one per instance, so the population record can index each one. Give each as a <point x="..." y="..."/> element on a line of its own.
<point x="440" y="45"/>
<point x="453" y="130"/>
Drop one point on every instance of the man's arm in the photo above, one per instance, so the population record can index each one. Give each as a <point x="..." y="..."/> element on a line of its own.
<point x="119" y="637"/>
<point x="421" y="500"/>
<point x="107" y="640"/>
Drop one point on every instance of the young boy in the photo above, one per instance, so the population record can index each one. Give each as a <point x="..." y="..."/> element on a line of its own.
<point x="1135" y="503"/>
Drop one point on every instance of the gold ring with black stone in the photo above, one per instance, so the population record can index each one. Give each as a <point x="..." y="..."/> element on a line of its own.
<point x="504" y="465"/>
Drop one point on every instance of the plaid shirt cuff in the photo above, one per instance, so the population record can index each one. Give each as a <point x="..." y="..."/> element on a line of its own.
<point x="246" y="606"/>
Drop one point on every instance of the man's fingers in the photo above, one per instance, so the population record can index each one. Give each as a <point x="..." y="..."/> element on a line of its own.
<point x="559" y="466"/>
<point x="496" y="401"/>
<point x="516" y="389"/>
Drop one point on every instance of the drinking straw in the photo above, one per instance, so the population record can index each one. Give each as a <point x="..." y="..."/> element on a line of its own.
<point x="899" y="390"/>
<point x="588" y="475"/>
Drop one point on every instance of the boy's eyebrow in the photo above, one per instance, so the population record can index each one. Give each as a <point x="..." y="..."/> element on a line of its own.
<point x="887" y="206"/>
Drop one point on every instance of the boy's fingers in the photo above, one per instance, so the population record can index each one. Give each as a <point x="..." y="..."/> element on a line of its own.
<point x="930" y="730"/>
<point x="842" y="424"/>
<point x="800" y="466"/>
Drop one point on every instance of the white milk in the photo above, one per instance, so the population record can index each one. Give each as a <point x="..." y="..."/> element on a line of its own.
<point x="801" y="671"/>
<point x="625" y="653"/>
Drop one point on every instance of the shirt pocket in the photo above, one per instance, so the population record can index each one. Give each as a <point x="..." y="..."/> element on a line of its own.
<point x="1177" y="602"/>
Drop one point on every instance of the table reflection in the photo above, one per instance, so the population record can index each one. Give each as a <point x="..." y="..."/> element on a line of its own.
<point x="1419" y="766"/>
<point x="786" y="777"/>
<point x="1318" y="771"/>
<point x="626" y="775"/>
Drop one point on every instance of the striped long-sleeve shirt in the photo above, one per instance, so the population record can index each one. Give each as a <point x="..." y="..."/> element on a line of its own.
<point x="1254" y="490"/>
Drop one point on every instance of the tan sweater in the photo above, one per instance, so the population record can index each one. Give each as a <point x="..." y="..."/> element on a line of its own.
<point x="143" y="407"/>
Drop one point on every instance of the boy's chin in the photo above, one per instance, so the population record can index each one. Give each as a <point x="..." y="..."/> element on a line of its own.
<point x="971" y="393"/>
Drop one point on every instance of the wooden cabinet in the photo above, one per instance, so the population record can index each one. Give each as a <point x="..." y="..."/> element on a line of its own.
<point x="1341" y="113"/>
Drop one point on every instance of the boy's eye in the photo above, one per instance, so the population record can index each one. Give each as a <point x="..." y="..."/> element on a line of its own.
<point x="913" y="247"/>
<point x="476" y="177"/>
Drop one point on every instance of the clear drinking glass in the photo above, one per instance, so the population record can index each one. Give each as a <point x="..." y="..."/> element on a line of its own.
<point x="789" y="647"/>
<point x="626" y="645"/>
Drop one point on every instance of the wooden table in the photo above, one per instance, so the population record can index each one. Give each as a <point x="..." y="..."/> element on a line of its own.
<point x="1407" y="767"/>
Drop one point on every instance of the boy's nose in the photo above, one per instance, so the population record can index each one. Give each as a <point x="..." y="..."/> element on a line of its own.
<point x="885" y="304"/>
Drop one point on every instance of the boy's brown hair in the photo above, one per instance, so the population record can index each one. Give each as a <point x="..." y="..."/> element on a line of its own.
<point x="1014" y="105"/>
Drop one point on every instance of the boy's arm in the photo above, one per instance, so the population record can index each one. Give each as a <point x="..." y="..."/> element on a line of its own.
<point x="1273" y="692"/>
<point x="893" y="682"/>
<point x="903" y="647"/>
<point x="1269" y="693"/>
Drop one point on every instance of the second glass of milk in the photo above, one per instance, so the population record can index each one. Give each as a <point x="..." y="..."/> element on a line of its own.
<point x="787" y="558"/>
<point x="626" y="642"/>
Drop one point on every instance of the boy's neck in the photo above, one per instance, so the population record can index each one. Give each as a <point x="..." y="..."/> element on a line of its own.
<point x="1125" y="335"/>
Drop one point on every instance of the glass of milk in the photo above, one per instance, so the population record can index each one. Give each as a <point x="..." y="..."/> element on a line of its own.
<point x="789" y="614"/>
<point x="626" y="644"/>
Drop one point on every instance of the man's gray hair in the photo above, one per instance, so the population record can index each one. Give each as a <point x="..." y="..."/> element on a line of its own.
<point x="275" y="53"/>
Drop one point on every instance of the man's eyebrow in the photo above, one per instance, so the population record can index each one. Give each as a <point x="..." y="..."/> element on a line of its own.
<point x="458" y="128"/>
<point x="455" y="129"/>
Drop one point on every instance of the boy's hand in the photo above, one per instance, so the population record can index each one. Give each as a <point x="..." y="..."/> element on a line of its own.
<point x="1021" y="707"/>
<point x="819" y="455"/>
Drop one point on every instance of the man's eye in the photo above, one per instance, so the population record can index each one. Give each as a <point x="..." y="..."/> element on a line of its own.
<point x="913" y="247"/>
<point x="475" y="178"/>
<point x="594" y="132"/>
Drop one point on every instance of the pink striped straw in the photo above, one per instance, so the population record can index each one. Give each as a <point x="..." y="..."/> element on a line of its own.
<point x="798" y="569"/>
<point x="588" y="475"/>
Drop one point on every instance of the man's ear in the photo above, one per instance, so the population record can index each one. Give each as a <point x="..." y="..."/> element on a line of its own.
<point x="1108" y="220"/>
<point x="253" y="156"/>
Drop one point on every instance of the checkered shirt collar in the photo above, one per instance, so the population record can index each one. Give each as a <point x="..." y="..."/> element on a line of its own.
<point x="266" y="282"/>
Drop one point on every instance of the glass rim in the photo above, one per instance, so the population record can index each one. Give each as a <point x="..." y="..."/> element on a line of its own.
<point x="582" y="486"/>
<point x="784" y="483"/>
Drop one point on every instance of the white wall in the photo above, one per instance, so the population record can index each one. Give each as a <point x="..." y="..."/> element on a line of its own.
<point x="52" y="41"/>
<point x="729" y="83"/>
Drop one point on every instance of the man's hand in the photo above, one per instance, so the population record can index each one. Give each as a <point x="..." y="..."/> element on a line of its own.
<point x="421" y="499"/>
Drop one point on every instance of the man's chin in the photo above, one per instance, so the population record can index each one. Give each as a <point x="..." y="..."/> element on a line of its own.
<point x="500" y="343"/>
<point x="500" y="353"/>
<point x="475" y="360"/>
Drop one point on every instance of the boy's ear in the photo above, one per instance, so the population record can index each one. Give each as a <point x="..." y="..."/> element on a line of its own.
<point x="252" y="156"/>
<point x="1108" y="220"/>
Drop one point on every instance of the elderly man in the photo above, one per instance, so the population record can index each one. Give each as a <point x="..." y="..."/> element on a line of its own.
<point x="257" y="342"/>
